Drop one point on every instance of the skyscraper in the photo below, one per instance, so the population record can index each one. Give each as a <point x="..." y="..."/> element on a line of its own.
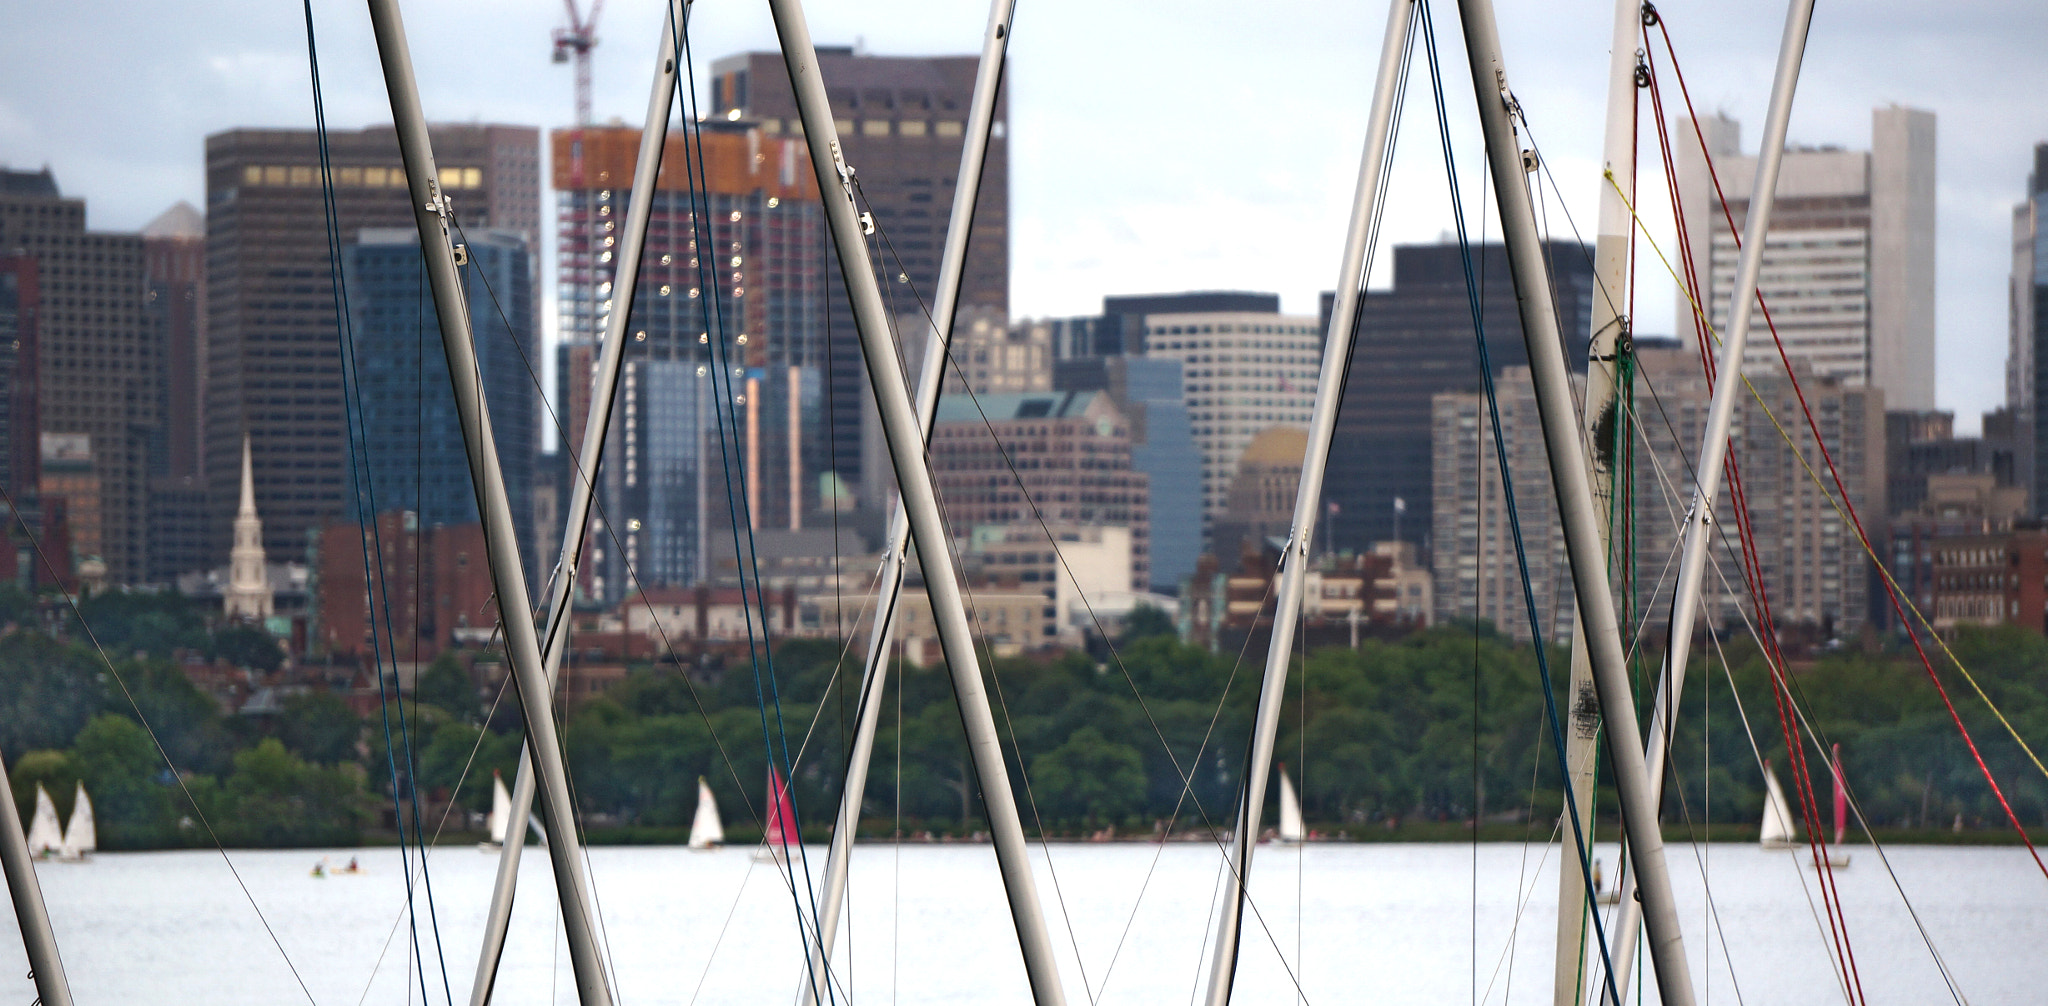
<point x="1414" y="341"/>
<point x="414" y="456"/>
<point x="98" y="370"/>
<point x="174" y="308"/>
<point x="1150" y="394"/>
<point x="901" y="123"/>
<point x="273" y="344"/>
<point x="2028" y="335"/>
<point x="1848" y="268"/>
<point x="21" y="434"/>
<point x="759" y="288"/>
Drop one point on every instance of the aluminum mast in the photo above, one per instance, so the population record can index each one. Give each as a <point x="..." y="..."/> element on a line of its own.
<point x="931" y="378"/>
<point x="1308" y="497"/>
<point x="1608" y="345"/>
<point x="19" y="865"/>
<point x="603" y="396"/>
<point x="1728" y="383"/>
<point x="1574" y="494"/>
<point x="501" y="547"/>
<point x="920" y="498"/>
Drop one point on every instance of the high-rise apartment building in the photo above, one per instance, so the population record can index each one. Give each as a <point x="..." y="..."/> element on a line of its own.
<point x="2027" y="347"/>
<point x="1244" y="372"/>
<point x="99" y="370"/>
<point x="1848" y="267"/>
<point x="758" y="287"/>
<point x="901" y="122"/>
<point x="273" y="360"/>
<point x="1071" y="450"/>
<point x="20" y="418"/>
<point x="1414" y="341"/>
<point x="414" y="458"/>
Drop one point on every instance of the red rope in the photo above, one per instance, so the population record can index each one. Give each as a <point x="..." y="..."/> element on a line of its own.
<point x="1891" y="593"/>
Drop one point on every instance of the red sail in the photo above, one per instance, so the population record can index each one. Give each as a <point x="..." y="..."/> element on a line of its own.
<point x="1841" y="798"/>
<point x="781" y="815"/>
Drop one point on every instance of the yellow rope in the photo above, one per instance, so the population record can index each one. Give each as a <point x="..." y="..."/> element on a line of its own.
<point x="1905" y="599"/>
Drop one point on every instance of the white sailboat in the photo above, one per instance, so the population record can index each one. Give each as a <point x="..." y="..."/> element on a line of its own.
<point x="707" y="832"/>
<point x="81" y="836"/>
<point x="1777" y="830"/>
<point x="45" y="837"/>
<point x="1291" y="829"/>
<point x="501" y="809"/>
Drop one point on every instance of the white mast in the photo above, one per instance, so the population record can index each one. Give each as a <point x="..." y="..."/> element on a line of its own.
<point x="981" y="115"/>
<point x="901" y="429"/>
<point x="1699" y="520"/>
<point x="1576" y="512"/>
<point x="431" y="213"/>
<point x="1609" y="343"/>
<point x="17" y="860"/>
<point x="1351" y="279"/>
<point x="576" y="526"/>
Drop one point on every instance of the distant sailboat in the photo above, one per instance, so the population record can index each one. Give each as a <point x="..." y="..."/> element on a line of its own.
<point x="781" y="825"/>
<point x="1291" y="829"/>
<point x="1777" y="826"/>
<point x="501" y="815"/>
<point x="81" y="836"/>
<point x="45" y="837"/>
<point x="706" y="831"/>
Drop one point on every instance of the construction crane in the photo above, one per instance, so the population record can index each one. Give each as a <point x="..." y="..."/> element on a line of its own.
<point x="578" y="39"/>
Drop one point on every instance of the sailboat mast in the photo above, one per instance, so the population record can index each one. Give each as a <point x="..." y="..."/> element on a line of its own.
<point x="576" y="529"/>
<point x="19" y="866"/>
<point x="920" y="498"/>
<point x="981" y="116"/>
<point x="1606" y="349"/>
<point x="1293" y="569"/>
<point x="1699" y="519"/>
<point x="1575" y="504"/>
<point x="501" y="545"/>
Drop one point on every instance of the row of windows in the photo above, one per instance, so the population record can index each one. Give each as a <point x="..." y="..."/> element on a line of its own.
<point x="948" y="128"/>
<point x="301" y="175"/>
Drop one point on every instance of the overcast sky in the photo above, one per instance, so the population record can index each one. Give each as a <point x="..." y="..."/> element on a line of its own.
<point x="1154" y="147"/>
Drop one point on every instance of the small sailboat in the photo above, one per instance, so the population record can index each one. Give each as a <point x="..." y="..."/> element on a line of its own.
<point x="81" y="836"/>
<point x="45" y="836"/>
<point x="501" y="811"/>
<point x="707" y="832"/>
<point x="1291" y="830"/>
<point x="781" y="826"/>
<point x="1776" y="832"/>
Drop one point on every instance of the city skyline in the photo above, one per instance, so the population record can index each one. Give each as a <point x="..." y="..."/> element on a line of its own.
<point x="1157" y="214"/>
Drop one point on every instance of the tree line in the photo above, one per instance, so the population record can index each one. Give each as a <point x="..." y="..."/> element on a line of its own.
<point x="1448" y="725"/>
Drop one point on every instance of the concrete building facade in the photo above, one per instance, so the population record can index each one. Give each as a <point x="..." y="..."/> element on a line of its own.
<point x="1849" y="264"/>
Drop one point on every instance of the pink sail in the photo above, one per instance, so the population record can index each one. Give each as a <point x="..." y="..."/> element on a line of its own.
<point x="781" y="814"/>
<point x="1841" y="798"/>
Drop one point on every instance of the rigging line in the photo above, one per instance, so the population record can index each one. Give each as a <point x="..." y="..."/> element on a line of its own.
<point x="712" y="957"/>
<point x="1507" y="478"/>
<point x="700" y="229"/>
<point x="353" y="421"/>
<point x="44" y="558"/>
<point x="1895" y="593"/>
<point x="1059" y="554"/>
<point x="1896" y="598"/>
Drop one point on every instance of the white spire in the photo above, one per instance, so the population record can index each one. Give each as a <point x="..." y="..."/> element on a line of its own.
<point x="248" y="595"/>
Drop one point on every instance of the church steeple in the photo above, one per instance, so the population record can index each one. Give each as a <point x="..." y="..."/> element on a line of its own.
<point x="248" y="595"/>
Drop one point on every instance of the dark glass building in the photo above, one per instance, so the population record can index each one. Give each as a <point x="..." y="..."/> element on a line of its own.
<point x="1414" y="341"/>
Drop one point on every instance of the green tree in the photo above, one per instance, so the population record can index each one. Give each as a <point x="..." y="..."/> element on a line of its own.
<point x="1147" y="622"/>
<point x="1090" y="777"/>
<point x="320" y="727"/>
<point x="47" y="692"/>
<point x="274" y="799"/>
<point x="446" y="684"/>
<point x="246" y="646"/>
<point x="129" y="622"/>
<point x="133" y="797"/>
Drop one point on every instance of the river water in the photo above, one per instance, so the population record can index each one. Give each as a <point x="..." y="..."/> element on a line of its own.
<point x="1355" y="923"/>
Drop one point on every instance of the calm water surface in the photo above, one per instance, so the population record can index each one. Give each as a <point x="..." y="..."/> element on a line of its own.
<point x="1357" y="923"/>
